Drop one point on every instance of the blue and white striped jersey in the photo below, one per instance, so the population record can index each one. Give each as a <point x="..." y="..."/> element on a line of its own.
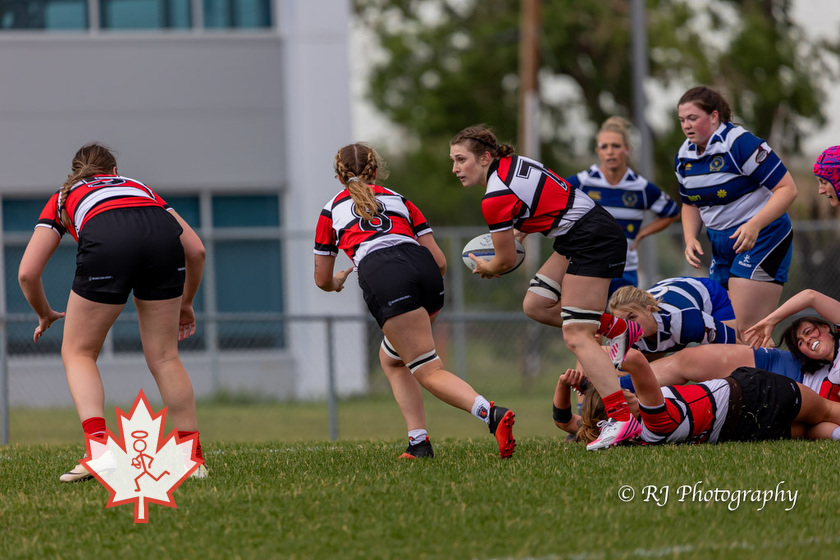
<point x="732" y="180"/>
<point x="690" y="310"/>
<point x="628" y="201"/>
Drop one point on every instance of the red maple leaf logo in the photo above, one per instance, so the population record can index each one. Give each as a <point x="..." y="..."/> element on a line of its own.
<point x="141" y="466"/>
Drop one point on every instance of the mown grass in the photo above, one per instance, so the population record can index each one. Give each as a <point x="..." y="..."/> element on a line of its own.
<point x="355" y="499"/>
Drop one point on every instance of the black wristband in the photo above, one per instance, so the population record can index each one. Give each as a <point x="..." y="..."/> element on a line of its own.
<point x="561" y="415"/>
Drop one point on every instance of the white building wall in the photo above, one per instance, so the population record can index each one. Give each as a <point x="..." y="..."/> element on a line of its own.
<point x="199" y="112"/>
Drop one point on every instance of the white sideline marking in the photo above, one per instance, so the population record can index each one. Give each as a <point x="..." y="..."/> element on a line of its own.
<point x="677" y="550"/>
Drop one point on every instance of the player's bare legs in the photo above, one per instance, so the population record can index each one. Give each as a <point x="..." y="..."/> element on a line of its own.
<point x="752" y="301"/>
<point x="411" y="335"/>
<point x="585" y="297"/>
<point x="85" y="326"/>
<point x="159" y="334"/>
<point x="589" y="293"/>
<point x="546" y="308"/>
<point x="701" y="363"/>
<point x="407" y="391"/>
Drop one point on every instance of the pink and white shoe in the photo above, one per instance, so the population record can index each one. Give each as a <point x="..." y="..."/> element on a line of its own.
<point x="614" y="432"/>
<point x="624" y="341"/>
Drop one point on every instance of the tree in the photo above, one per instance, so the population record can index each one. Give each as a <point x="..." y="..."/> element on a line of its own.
<point x="453" y="63"/>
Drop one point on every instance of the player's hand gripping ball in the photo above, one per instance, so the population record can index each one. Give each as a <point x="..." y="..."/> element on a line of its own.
<point x="482" y="247"/>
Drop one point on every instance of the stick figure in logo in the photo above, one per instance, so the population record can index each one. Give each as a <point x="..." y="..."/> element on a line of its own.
<point x="139" y="462"/>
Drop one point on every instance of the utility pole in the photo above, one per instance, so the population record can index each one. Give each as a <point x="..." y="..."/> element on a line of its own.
<point x="529" y="64"/>
<point x="529" y="145"/>
<point x="649" y="269"/>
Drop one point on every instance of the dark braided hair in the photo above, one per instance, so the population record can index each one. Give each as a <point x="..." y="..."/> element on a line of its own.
<point x="479" y="139"/>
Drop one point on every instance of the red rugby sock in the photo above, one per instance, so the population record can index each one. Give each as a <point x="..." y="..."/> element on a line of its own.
<point x="617" y="407"/>
<point x="94" y="427"/>
<point x="198" y="453"/>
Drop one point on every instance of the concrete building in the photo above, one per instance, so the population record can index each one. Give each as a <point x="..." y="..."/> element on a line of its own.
<point x="232" y="110"/>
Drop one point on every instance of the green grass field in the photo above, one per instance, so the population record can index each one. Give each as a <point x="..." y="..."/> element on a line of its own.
<point x="279" y="489"/>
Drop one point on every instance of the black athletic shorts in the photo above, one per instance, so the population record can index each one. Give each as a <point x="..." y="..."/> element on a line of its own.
<point x="771" y="402"/>
<point x="399" y="279"/>
<point x="595" y="246"/>
<point x="127" y="249"/>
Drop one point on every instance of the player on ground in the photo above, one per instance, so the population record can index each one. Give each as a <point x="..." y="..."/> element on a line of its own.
<point x="589" y="251"/>
<point x="400" y="269"/>
<point x="735" y="184"/>
<point x="129" y="240"/>
<point x="625" y="194"/>
<point x="676" y="312"/>
<point x="746" y="405"/>
<point x="812" y="339"/>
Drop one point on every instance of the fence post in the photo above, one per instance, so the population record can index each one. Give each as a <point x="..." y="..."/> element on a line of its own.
<point x="331" y="391"/>
<point x="4" y="379"/>
<point x="459" y="330"/>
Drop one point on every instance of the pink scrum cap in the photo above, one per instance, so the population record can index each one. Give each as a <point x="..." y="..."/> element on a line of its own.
<point x="828" y="167"/>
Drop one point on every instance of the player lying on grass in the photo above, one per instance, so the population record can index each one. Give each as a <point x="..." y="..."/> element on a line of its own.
<point x="676" y="312"/>
<point x="811" y="359"/>
<point x="748" y="405"/>
<point x="813" y="340"/>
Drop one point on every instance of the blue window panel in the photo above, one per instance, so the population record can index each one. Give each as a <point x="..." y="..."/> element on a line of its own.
<point x="145" y="14"/>
<point x="21" y="215"/>
<point x="248" y="280"/>
<point x="64" y="15"/>
<point x="246" y="211"/>
<point x="58" y="279"/>
<point x="237" y="14"/>
<point x="187" y="207"/>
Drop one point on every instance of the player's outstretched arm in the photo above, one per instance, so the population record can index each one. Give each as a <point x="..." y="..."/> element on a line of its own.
<point x="762" y="332"/>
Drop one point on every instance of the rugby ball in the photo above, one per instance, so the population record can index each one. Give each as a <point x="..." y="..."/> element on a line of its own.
<point x="482" y="248"/>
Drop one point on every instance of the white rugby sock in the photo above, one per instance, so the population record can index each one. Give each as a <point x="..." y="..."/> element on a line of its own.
<point x="417" y="436"/>
<point x="481" y="409"/>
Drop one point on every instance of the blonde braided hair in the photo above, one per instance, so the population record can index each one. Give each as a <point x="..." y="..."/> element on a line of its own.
<point x="357" y="166"/>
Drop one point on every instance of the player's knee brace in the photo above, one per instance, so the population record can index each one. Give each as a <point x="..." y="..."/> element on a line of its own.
<point x="544" y="286"/>
<point x="389" y="350"/>
<point x="573" y="315"/>
<point x="422" y="360"/>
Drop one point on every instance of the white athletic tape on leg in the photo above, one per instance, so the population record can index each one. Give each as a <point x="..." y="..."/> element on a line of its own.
<point x="389" y="350"/>
<point x="544" y="286"/>
<point x="572" y="315"/>
<point x="422" y="360"/>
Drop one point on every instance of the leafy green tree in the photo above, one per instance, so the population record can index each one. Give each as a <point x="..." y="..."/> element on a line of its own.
<point x="448" y="64"/>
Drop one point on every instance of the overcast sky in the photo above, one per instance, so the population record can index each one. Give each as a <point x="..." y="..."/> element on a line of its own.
<point x="822" y="17"/>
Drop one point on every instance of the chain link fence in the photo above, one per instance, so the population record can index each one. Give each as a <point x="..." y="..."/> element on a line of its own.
<point x="482" y="334"/>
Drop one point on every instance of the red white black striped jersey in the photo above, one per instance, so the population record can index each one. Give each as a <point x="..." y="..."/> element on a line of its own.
<point x="523" y="194"/>
<point x="94" y="195"/>
<point x="826" y="380"/>
<point x="691" y="414"/>
<point x="340" y="227"/>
